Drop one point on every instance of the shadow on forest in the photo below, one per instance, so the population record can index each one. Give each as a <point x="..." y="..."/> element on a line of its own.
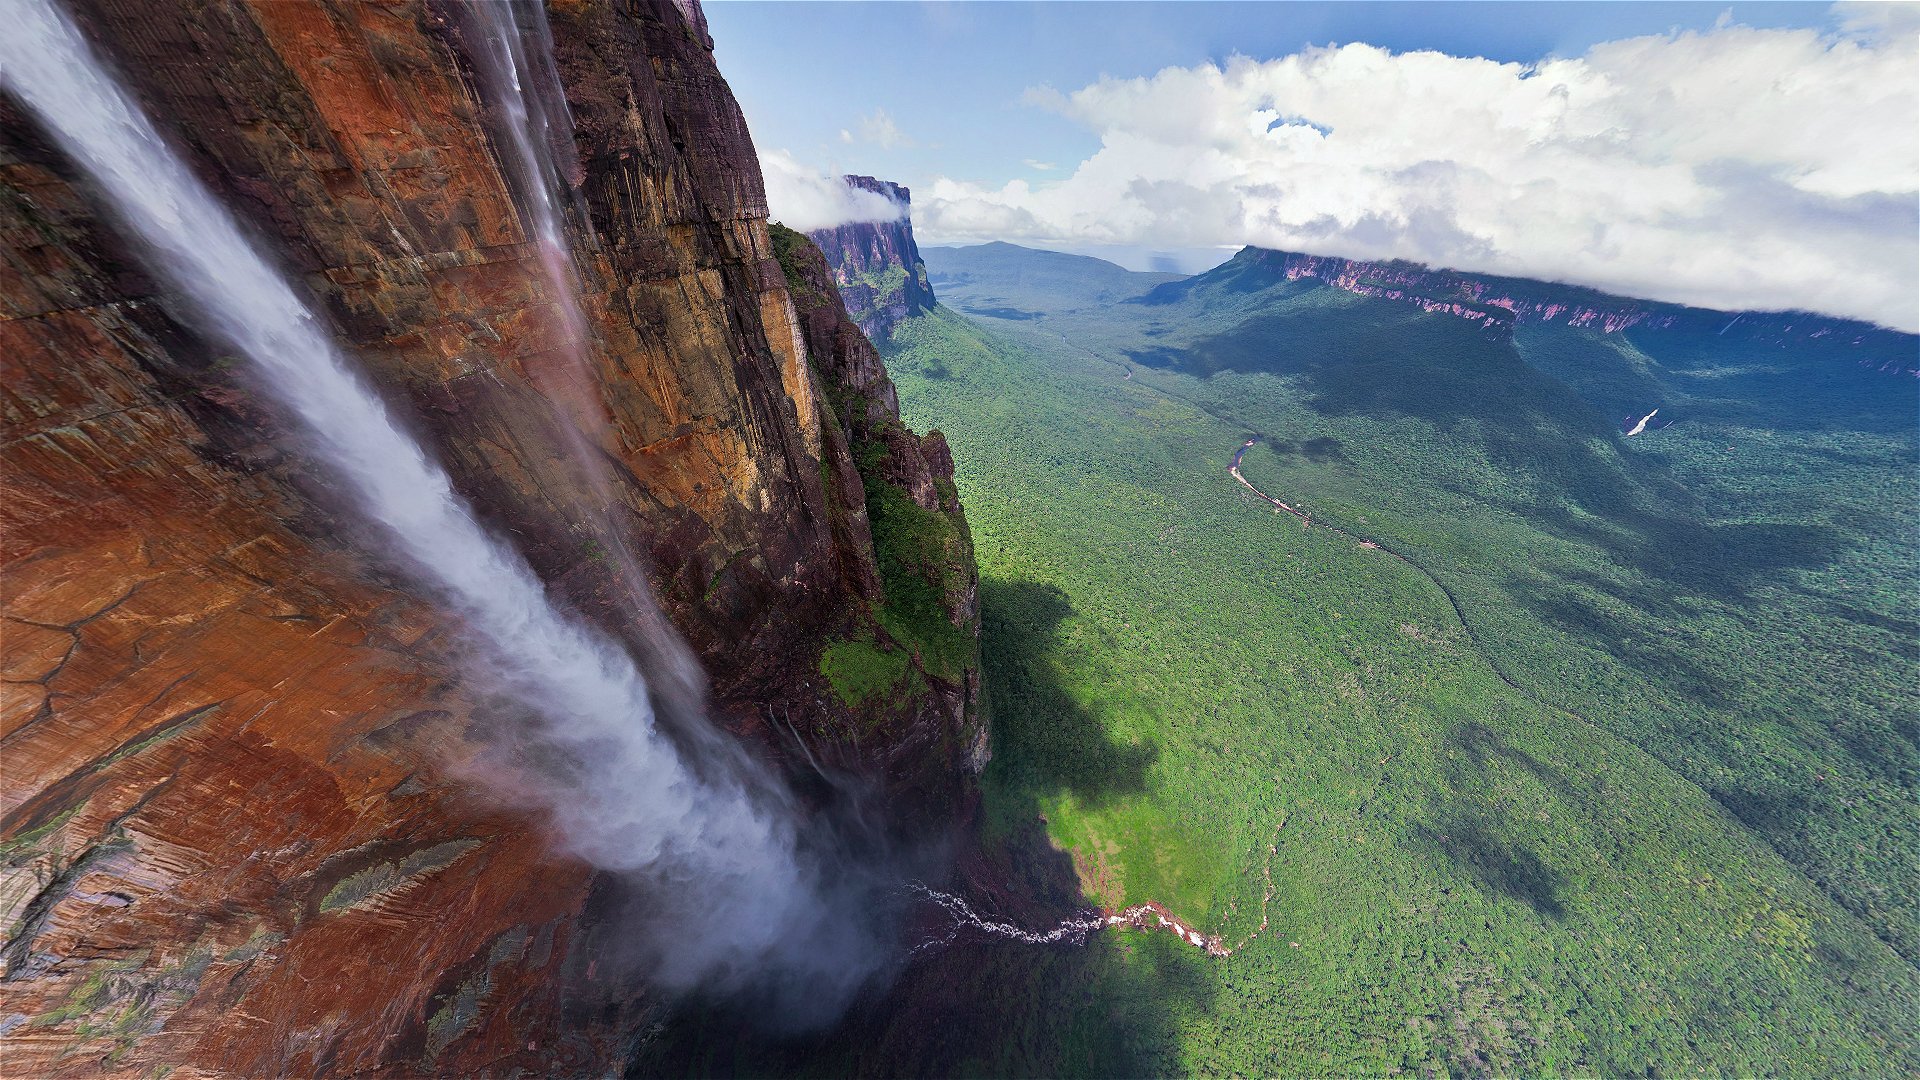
<point x="1481" y="747"/>
<point x="1008" y="313"/>
<point x="1469" y="834"/>
<point x="1509" y="869"/>
<point x="1388" y="363"/>
<point x="1049" y="742"/>
<point x="972" y="1009"/>
<point x="1320" y="450"/>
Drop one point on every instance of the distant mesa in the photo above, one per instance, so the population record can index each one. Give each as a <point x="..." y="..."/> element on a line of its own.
<point x="876" y="264"/>
<point x="1501" y="303"/>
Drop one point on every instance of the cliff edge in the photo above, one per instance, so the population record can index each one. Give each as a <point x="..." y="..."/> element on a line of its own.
<point x="876" y="265"/>
<point x="240" y="834"/>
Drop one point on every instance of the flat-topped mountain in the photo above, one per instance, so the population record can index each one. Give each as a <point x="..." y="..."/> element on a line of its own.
<point x="1499" y="303"/>
<point x="877" y="265"/>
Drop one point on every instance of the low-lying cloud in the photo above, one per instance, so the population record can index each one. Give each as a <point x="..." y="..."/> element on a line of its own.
<point x="1736" y="168"/>
<point x="802" y="198"/>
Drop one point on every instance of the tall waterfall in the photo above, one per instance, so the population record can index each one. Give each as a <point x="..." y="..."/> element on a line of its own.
<point x="738" y="899"/>
<point x="511" y="47"/>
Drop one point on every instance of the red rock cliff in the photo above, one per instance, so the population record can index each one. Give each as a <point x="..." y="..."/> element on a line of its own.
<point x="1498" y="303"/>
<point x="876" y="265"/>
<point x="230" y="841"/>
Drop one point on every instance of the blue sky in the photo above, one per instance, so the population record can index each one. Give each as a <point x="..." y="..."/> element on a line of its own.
<point x="1729" y="155"/>
<point x="953" y="76"/>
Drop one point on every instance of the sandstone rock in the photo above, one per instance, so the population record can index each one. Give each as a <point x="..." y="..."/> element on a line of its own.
<point x="1499" y="303"/>
<point x="234" y="836"/>
<point x="876" y="264"/>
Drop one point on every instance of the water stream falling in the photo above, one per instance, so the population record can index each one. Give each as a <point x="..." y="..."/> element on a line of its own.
<point x="1072" y="930"/>
<point x="738" y="898"/>
<point x="511" y="47"/>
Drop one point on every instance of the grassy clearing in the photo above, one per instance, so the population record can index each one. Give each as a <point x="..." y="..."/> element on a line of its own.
<point x="860" y="671"/>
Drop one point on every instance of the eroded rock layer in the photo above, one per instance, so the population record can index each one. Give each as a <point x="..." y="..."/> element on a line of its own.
<point x="1498" y="303"/>
<point x="236" y="836"/>
<point x="876" y="265"/>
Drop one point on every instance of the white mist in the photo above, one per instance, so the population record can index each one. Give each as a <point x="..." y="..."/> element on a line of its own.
<point x="738" y="902"/>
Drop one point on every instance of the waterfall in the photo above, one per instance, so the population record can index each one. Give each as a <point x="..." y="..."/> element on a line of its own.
<point x="738" y="901"/>
<point x="511" y="47"/>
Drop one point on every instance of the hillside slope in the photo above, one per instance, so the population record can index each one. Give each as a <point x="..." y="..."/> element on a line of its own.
<point x="1732" y="593"/>
<point x="1492" y="784"/>
<point x="1345" y="755"/>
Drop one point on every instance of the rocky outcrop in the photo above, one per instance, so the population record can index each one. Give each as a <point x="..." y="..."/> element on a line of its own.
<point x="1500" y="303"/>
<point x="235" y="836"/>
<point x="876" y="265"/>
<point x="902" y="494"/>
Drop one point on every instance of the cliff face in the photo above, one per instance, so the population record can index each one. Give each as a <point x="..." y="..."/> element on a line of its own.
<point x="876" y="265"/>
<point x="902" y="495"/>
<point x="232" y="839"/>
<point x="1499" y="303"/>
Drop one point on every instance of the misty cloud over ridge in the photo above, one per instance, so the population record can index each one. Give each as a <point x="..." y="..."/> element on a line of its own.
<point x="805" y="199"/>
<point x="1735" y="168"/>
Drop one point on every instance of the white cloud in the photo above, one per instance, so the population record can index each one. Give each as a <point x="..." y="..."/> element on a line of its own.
<point x="1881" y="20"/>
<point x="879" y="128"/>
<point x="806" y="199"/>
<point x="1736" y="168"/>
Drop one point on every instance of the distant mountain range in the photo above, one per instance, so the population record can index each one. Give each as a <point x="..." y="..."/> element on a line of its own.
<point x="995" y="279"/>
<point x="1035" y="278"/>
<point x="1500" y="302"/>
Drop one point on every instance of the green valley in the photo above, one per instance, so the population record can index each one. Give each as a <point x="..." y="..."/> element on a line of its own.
<point x="1645" y="810"/>
<point x="1523" y="749"/>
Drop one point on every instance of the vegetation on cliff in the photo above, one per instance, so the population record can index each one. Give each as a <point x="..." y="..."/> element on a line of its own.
<point x="921" y="546"/>
<point x="1504" y="849"/>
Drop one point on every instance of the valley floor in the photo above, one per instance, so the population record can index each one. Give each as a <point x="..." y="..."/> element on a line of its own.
<point x="1477" y="881"/>
<point x="1439" y="717"/>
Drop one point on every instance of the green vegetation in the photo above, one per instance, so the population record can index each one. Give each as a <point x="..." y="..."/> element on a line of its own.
<point x="461" y="1009"/>
<point x="785" y="242"/>
<point x="29" y="841"/>
<point x="860" y="671"/>
<point x="382" y="879"/>
<point x="117" y="1000"/>
<point x="923" y="556"/>
<point x="1536" y="878"/>
<point x="884" y="281"/>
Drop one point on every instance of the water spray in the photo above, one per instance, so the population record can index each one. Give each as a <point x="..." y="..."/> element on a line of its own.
<point x="737" y="904"/>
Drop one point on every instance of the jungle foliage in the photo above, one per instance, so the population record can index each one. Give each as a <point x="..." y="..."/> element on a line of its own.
<point x="1602" y="762"/>
<point x="1614" y="775"/>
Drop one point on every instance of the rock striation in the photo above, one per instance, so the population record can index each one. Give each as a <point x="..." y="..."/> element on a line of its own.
<point x="876" y="265"/>
<point x="237" y="834"/>
<point x="1501" y="303"/>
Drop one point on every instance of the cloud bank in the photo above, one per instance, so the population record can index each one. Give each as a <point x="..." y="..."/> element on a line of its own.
<point x="804" y="199"/>
<point x="1737" y="168"/>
